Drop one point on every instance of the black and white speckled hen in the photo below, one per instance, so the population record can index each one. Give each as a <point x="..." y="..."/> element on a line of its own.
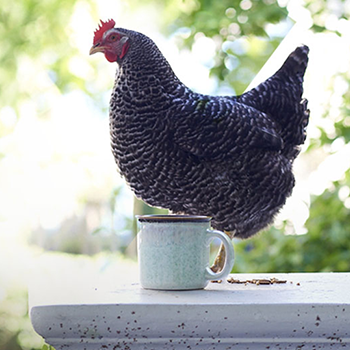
<point x="228" y="157"/>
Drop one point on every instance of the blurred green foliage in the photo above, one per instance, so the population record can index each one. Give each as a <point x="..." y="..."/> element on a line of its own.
<point x="325" y="248"/>
<point x="239" y="31"/>
<point x="32" y="33"/>
<point x="238" y="28"/>
<point x="16" y="332"/>
<point x="34" y="30"/>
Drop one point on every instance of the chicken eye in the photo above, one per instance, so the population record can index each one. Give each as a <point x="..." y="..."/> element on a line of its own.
<point x="113" y="37"/>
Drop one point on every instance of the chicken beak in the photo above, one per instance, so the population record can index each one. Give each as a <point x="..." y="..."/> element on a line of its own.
<point x="97" y="48"/>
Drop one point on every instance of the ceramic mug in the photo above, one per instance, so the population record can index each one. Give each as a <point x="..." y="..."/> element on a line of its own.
<point x="173" y="252"/>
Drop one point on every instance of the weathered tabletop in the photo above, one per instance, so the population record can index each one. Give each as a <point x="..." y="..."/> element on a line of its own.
<point x="309" y="311"/>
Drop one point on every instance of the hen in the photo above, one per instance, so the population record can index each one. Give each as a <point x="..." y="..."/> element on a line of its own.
<point x="228" y="157"/>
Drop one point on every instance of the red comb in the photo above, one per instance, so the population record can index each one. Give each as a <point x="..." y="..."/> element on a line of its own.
<point x="102" y="28"/>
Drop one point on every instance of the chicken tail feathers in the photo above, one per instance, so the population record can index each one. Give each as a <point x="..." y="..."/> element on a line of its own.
<point x="280" y="97"/>
<point x="296" y="63"/>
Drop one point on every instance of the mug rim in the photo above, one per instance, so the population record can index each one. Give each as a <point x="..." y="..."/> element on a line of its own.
<point x="172" y="218"/>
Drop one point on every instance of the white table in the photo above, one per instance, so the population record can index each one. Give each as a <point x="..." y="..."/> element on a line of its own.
<point x="310" y="311"/>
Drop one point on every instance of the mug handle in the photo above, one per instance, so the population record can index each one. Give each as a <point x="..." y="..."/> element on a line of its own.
<point x="229" y="256"/>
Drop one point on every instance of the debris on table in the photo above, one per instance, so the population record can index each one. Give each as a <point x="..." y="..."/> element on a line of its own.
<point x="256" y="281"/>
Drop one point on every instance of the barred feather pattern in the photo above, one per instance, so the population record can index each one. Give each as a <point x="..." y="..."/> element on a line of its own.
<point x="223" y="156"/>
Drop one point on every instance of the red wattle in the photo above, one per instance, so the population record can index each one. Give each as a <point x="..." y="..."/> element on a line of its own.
<point x="111" y="56"/>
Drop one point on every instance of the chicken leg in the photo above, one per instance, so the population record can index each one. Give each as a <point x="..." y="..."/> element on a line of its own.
<point x="219" y="261"/>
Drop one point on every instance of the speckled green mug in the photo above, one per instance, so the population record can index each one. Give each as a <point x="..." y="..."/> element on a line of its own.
<point x="173" y="252"/>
